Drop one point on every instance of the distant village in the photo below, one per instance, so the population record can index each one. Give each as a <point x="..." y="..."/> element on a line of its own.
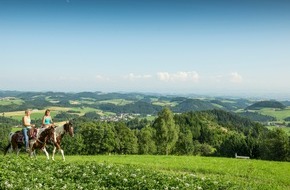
<point x="121" y="117"/>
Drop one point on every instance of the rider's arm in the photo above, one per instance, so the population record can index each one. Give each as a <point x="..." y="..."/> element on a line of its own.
<point x="42" y="121"/>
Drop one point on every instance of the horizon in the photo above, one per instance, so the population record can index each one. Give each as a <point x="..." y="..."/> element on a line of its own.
<point x="255" y="97"/>
<point x="222" y="48"/>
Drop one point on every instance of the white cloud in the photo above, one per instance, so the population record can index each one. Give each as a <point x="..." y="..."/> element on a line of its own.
<point x="236" y="77"/>
<point x="101" y="78"/>
<point x="163" y="76"/>
<point x="132" y="76"/>
<point x="179" y="76"/>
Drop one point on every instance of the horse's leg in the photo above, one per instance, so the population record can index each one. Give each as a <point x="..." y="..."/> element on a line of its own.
<point x="53" y="152"/>
<point x="31" y="151"/>
<point x="7" y="149"/>
<point x="15" y="148"/>
<point x="54" y="137"/>
<point x="62" y="154"/>
<point x="17" y="151"/>
<point x="34" y="153"/>
<point x="46" y="153"/>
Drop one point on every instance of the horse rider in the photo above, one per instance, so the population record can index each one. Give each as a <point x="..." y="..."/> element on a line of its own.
<point x="46" y="123"/>
<point x="26" y="121"/>
<point x="46" y="119"/>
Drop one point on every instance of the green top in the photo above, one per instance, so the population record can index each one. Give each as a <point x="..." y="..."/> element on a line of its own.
<point x="47" y="121"/>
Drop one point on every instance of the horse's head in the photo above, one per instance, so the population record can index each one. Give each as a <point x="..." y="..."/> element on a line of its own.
<point x="68" y="127"/>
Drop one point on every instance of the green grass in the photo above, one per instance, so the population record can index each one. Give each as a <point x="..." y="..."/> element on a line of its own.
<point x="228" y="101"/>
<point x="38" y="114"/>
<point x="10" y="101"/>
<point x="217" y="105"/>
<point x="248" y="174"/>
<point x="118" y="102"/>
<point x="233" y="173"/>
<point x="24" y="173"/>
<point x="14" y="129"/>
<point x="279" y="114"/>
<point x="164" y="103"/>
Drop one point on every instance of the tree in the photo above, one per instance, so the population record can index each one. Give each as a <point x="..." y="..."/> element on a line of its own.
<point x="92" y="134"/>
<point x="108" y="142"/>
<point x="184" y="144"/>
<point x="92" y="115"/>
<point x="203" y="149"/>
<point x="4" y="132"/>
<point x="146" y="141"/>
<point x="233" y="143"/>
<point x="73" y="145"/>
<point x="126" y="140"/>
<point x="275" y="145"/>
<point x="166" y="131"/>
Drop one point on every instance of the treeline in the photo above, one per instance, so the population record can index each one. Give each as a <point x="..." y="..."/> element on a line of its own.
<point x="254" y="116"/>
<point x="206" y="133"/>
<point x="5" y="128"/>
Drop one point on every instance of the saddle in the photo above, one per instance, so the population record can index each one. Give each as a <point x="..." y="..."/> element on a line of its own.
<point x="32" y="132"/>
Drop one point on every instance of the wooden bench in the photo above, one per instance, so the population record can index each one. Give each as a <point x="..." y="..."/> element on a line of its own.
<point x="241" y="157"/>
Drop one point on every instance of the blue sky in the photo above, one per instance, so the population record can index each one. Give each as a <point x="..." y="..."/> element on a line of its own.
<point x="203" y="47"/>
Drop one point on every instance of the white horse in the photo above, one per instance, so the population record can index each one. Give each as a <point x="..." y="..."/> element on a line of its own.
<point x="41" y="141"/>
<point x="60" y="131"/>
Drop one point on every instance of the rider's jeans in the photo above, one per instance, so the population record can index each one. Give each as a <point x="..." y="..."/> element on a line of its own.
<point x="26" y="139"/>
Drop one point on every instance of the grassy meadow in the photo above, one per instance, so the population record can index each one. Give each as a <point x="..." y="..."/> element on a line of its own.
<point x="158" y="172"/>
<point x="253" y="174"/>
<point x="10" y="101"/>
<point x="279" y="114"/>
<point x="38" y="114"/>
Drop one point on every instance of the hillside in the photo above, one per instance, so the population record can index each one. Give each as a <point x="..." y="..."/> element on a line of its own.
<point x="254" y="116"/>
<point x="266" y="104"/>
<point x="193" y="105"/>
<point x="114" y="102"/>
<point x="135" y="123"/>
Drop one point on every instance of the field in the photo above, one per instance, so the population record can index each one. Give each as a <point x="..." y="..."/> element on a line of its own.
<point x="35" y="114"/>
<point x="9" y="100"/>
<point x="143" y="172"/>
<point x="38" y="114"/>
<point x="279" y="114"/>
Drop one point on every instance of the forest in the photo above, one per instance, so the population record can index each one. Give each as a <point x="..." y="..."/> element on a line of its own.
<point x="206" y="133"/>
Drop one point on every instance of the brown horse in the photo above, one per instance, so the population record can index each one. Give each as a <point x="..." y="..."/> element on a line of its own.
<point x="16" y="140"/>
<point x="60" y="131"/>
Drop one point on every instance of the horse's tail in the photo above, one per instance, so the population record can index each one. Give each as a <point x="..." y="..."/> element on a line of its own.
<point x="10" y="136"/>
<point x="7" y="148"/>
<point x="10" y="143"/>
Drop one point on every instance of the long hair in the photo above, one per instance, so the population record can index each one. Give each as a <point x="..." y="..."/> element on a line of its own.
<point x="46" y="112"/>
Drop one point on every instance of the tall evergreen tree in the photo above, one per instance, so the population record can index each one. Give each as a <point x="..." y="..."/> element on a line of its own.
<point x="126" y="140"/>
<point x="146" y="141"/>
<point x="184" y="144"/>
<point x="166" y="131"/>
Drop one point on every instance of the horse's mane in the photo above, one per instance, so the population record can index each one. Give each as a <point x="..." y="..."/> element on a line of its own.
<point x="66" y="126"/>
<point x="45" y="133"/>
